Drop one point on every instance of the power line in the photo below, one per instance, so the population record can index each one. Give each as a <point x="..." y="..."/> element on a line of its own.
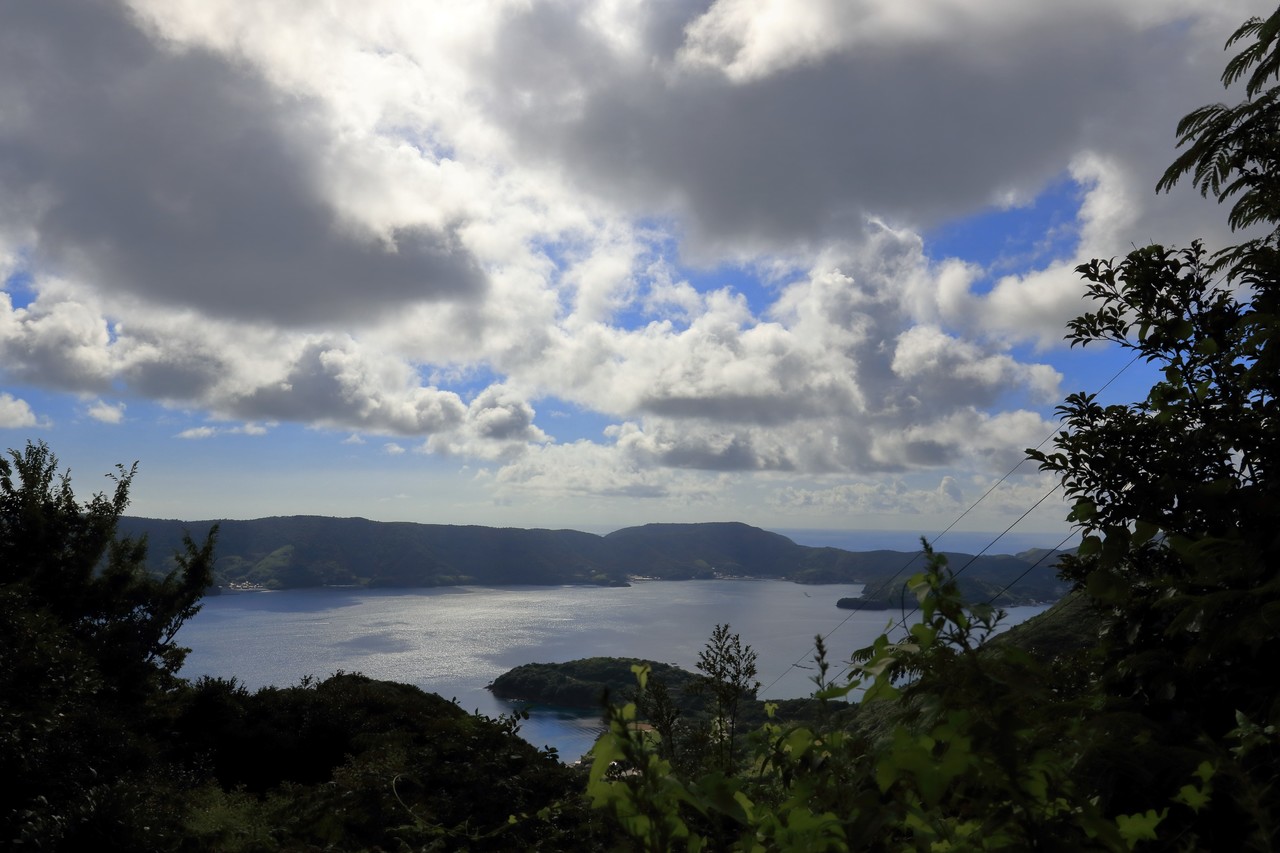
<point x="1027" y="571"/>
<point x="975" y="557"/>
<point x="1057" y="548"/>
<point x="888" y="584"/>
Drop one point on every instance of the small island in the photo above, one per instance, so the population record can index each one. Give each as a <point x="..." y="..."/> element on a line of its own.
<point x="583" y="684"/>
<point x="860" y="603"/>
<point x="588" y="684"/>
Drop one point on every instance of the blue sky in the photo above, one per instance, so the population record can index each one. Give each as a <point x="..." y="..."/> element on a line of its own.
<point x="573" y="264"/>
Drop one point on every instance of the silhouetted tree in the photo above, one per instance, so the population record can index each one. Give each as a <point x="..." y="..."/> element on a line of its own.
<point x="729" y="674"/>
<point x="87" y="656"/>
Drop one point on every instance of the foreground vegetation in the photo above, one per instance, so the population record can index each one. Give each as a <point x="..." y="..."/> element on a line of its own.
<point x="1160" y="734"/>
<point x="105" y="748"/>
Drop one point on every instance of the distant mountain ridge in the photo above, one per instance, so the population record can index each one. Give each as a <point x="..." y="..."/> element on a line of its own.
<point x="308" y="551"/>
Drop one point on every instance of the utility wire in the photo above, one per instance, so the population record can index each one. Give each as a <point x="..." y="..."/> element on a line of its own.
<point x="888" y="584"/>
<point x="902" y="622"/>
<point x="958" y="572"/>
<point x="1029" y="568"/>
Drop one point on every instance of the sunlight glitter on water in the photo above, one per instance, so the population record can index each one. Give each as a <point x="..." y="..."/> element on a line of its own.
<point x="455" y="641"/>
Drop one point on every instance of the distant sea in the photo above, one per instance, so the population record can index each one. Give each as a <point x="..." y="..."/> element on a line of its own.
<point x="903" y="540"/>
<point x="456" y="640"/>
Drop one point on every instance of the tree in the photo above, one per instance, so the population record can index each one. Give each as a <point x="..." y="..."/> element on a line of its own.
<point x="1177" y="494"/>
<point x="87" y="651"/>
<point x="954" y="746"/>
<point x="654" y="703"/>
<point x="63" y="557"/>
<point x="729" y="674"/>
<point x="1232" y="151"/>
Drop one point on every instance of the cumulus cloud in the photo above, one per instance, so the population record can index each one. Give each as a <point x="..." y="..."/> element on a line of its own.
<point x="336" y="382"/>
<point x="941" y="366"/>
<point x="188" y="179"/>
<point x="873" y="444"/>
<point x="980" y="496"/>
<point x="705" y="224"/>
<point x="749" y="39"/>
<point x="107" y="413"/>
<point x="15" y="413"/>
<point x="781" y="123"/>
<point x="951" y="489"/>
<point x="588" y="469"/>
<point x="203" y="432"/>
<point x="836" y="378"/>
<point x="237" y="371"/>
<point x="56" y="341"/>
<point x="498" y="425"/>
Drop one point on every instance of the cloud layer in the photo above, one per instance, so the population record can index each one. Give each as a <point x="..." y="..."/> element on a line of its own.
<point x="702" y="223"/>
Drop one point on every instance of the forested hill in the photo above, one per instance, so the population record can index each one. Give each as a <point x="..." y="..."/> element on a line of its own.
<point x="300" y="551"/>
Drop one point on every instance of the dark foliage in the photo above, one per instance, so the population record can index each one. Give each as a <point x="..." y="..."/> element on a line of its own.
<point x="581" y="683"/>
<point x="367" y="764"/>
<point x="87" y="658"/>
<point x="104" y="747"/>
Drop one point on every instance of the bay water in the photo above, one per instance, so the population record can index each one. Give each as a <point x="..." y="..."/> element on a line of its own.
<point x="454" y="641"/>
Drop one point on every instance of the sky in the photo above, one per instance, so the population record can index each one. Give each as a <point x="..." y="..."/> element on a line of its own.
<point x="804" y="264"/>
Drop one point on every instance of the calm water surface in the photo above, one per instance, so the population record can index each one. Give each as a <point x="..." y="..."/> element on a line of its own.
<point x="456" y="640"/>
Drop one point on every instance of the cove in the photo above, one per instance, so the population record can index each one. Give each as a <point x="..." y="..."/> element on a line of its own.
<point x="456" y="640"/>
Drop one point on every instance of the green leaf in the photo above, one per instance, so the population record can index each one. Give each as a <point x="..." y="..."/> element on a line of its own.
<point x="1208" y="346"/>
<point x="798" y="742"/>
<point x="1192" y="796"/>
<point x="1143" y="532"/>
<point x="1140" y="827"/>
<point x="641" y="672"/>
<point x="1103" y="585"/>
<point x="1083" y="511"/>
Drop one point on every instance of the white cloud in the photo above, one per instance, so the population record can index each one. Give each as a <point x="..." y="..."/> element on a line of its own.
<point x="220" y="203"/>
<point x="753" y="39"/>
<point x="107" y="413"/>
<point x="335" y="381"/>
<point x="498" y="425"/>
<point x="964" y="367"/>
<point x="587" y="469"/>
<point x="699" y="223"/>
<point x="15" y="413"/>
<point x="951" y="489"/>
<point x="202" y="432"/>
<point x="916" y="505"/>
<point x="57" y="340"/>
<point x="392" y="449"/>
